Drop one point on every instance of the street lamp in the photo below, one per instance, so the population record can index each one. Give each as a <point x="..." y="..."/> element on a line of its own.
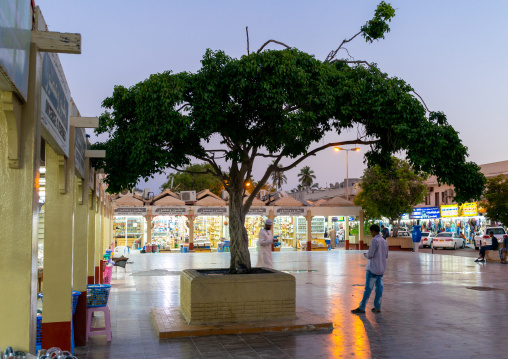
<point x="338" y="149"/>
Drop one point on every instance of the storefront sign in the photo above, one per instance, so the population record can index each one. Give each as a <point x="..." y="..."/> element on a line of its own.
<point x="451" y="210"/>
<point x="258" y="211"/>
<point x="55" y="104"/>
<point x="290" y="211"/>
<point x="425" y="213"/>
<point x="15" y="25"/>
<point x="170" y="211"/>
<point x="469" y="209"/>
<point x="130" y="211"/>
<point x="211" y="211"/>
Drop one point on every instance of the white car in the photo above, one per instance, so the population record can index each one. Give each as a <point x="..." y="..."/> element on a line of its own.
<point x="427" y="238"/>
<point x="448" y="240"/>
<point x="484" y="238"/>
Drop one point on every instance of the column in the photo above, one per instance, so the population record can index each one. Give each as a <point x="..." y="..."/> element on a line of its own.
<point x="149" y="227"/>
<point x="346" y="233"/>
<point x="58" y="251"/>
<point x="80" y="259"/>
<point x="98" y="231"/>
<point x="309" y="230"/>
<point x="360" y="232"/>
<point x="191" y="219"/>
<point x="271" y="216"/>
<point x="19" y="208"/>
<point x="91" y="235"/>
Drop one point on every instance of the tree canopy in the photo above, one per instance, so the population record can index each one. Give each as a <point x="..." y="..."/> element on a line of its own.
<point x="306" y="176"/>
<point x="496" y="199"/>
<point x="192" y="181"/>
<point x="390" y="192"/>
<point x="276" y="104"/>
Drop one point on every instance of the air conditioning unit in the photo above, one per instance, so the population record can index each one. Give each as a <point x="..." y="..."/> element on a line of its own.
<point x="263" y="195"/>
<point x="224" y="195"/>
<point x="188" y="196"/>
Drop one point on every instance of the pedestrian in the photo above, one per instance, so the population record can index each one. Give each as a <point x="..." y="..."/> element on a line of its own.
<point x="332" y="235"/>
<point x="265" y="245"/>
<point x="504" y="251"/>
<point x="483" y="249"/>
<point x="376" y="264"/>
<point x="385" y="232"/>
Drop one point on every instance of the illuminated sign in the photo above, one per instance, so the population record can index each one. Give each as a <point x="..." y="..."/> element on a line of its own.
<point x="469" y="209"/>
<point x="451" y="210"/>
<point x="425" y="213"/>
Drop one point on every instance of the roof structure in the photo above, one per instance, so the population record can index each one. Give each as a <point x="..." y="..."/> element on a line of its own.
<point x="320" y="203"/>
<point x="129" y="200"/>
<point x="340" y="202"/>
<point x="489" y="170"/>
<point x="287" y="202"/>
<point x="206" y="193"/>
<point x="165" y="193"/>
<point x="168" y="201"/>
<point x="256" y="202"/>
<point x="210" y="201"/>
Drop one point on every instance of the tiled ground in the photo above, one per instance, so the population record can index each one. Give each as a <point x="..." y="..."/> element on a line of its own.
<point x="428" y="311"/>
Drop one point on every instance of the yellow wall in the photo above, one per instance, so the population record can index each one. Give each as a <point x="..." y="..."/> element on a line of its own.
<point x="80" y="260"/>
<point x="91" y="232"/>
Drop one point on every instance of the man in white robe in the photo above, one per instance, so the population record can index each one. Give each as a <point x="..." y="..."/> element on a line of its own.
<point x="265" y="243"/>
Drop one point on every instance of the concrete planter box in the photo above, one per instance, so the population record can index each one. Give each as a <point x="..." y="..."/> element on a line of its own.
<point x="212" y="299"/>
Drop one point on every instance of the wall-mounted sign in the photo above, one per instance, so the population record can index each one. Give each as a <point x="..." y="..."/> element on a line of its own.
<point x="405" y="216"/>
<point x="170" y="211"/>
<point x="469" y="209"/>
<point x="211" y="211"/>
<point x="80" y="147"/>
<point x="130" y="211"/>
<point x="290" y="211"/>
<point x="258" y="211"/>
<point x="425" y="213"/>
<point x="15" y="25"/>
<point x="55" y="104"/>
<point x="451" y="210"/>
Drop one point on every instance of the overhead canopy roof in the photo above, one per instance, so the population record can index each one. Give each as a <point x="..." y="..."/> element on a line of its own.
<point x="287" y="201"/>
<point x="129" y="201"/>
<point x="168" y="201"/>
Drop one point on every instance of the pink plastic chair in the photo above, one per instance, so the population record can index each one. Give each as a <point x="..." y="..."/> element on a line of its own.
<point x="98" y="331"/>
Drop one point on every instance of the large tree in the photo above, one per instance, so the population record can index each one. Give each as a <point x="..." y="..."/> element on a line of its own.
<point x="275" y="104"/>
<point x="496" y="199"/>
<point x="192" y="180"/>
<point x="390" y="191"/>
<point x="306" y="177"/>
<point x="278" y="178"/>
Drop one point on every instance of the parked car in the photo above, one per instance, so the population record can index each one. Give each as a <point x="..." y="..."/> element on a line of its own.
<point x="427" y="238"/>
<point x="499" y="233"/>
<point x="448" y="240"/>
<point x="401" y="233"/>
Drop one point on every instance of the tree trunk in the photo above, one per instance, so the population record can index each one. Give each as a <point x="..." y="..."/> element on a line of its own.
<point x="239" y="245"/>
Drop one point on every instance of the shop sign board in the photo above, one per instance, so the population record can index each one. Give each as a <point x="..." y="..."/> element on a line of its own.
<point x="258" y="211"/>
<point x="451" y="210"/>
<point x="80" y="146"/>
<point x="290" y="211"/>
<point x="469" y="209"/>
<point x="130" y="211"/>
<point x="15" y="25"/>
<point x="170" y="211"/>
<point x="425" y="213"/>
<point x="211" y="211"/>
<point x="55" y="104"/>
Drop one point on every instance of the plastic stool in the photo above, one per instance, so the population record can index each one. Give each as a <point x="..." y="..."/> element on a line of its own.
<point x="98" y="331"/>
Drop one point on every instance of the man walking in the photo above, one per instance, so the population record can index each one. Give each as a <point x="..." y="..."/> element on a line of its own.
<point x="265" y="243"/>
<point x="377" y="255"/>
<point x="332" y="235"/>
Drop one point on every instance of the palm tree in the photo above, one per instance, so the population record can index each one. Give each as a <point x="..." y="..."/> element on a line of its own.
<point x="279" y="178"/>
<point x="306" y="176"/>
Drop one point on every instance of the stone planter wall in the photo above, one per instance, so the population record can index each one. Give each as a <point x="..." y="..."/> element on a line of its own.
<point x="212" y="299"/>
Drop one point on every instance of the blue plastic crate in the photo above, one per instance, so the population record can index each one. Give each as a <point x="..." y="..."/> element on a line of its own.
<point x="97" y="295"/>
<point x="38" y="342"/>
<point x="75" y="296"/>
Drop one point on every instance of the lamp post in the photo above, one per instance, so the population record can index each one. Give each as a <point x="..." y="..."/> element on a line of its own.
<point x="337" y="149"/>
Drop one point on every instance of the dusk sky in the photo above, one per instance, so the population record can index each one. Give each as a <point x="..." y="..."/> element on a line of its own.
<point x="453" y="53"/>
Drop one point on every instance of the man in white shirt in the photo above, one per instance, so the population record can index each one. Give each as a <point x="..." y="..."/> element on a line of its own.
<point x="376" y="265"/>
<point x="265" y="243"/>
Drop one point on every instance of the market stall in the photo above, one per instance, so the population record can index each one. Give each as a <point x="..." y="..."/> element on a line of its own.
<point x="169" y="222"/>
<point x="255" y="220"/>
<point x="129" y="226"/>
<point x="285" y="224"/>
<point x="211" y="223"/>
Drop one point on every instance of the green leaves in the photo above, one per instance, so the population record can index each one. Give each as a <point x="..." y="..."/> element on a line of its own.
<point x="496" y="199"/>
<point x="375" y="28"/>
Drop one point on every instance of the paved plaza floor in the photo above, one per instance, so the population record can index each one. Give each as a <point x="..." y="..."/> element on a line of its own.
<point x="434" y="306"/>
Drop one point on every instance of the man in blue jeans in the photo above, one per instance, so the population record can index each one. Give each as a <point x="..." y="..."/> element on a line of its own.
<point x="377" y="255"/>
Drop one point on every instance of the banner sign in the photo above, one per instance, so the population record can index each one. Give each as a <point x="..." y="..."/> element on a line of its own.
<point x="469" y="209"/>
<point x="55" y="104"/>
<point x="211" y="211"/>
<point x="425" y="213"/>
<point x="258" y="211"/>
<point x="15" y="25"/>
<point x="451" y="210"/>
<point x="170" y="211"/>
<point x="290" y="211"/>
<point x="130" y="211"/>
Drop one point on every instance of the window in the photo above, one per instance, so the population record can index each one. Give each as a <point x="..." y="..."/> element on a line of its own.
<point x="436" y="198"/>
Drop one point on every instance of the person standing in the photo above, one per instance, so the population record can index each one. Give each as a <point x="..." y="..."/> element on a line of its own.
<point x="265" y="245"/>
<point x="376" y="265"/>
<point x="332" y="235"/>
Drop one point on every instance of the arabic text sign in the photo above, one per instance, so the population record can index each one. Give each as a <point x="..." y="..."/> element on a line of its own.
<point x="469" y="209"/>
<point x="55" y="104"/>
<point x="211" y="211"/>
<point x="130" y="211"/>
<point x="290" y="211"/>
<point x="258" y="211"/>
<point x="451" y="210"/>
<point x="80" y="146"/>
<point x="170" y="211"/>
<point x="425" y="213"/>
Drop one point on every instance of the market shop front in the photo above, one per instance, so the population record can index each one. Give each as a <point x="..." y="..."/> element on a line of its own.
<point x="130" y="227"/>
<point x="211" y="226"/>
<point x="255" y="221"/>
<point x="463" y="219"/>
<point x="169" y="222"/>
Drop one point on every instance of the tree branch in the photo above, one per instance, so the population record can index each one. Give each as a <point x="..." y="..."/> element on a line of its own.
<point x="313" y="152"/>
<point x="277" y="42"/>
<point x="332" y="53"/>
<point x="247" y="31"/>
<point x="267" y="156"/>
<point x="421" y="99"/>
<point x="186" y="104"/>
<point x="193" y="172"/>
<point x="352" y="62"/>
